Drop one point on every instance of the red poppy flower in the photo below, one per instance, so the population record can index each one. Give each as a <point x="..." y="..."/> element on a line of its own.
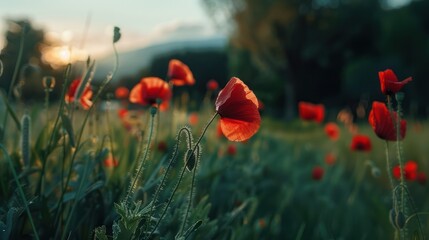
<point x="212" y="85"/>
<point x="237" y="106"/>
<point x="179" y="73"/>
<point x="231" y="150"/>
<point x="361" y="143"/>
<point x="122" y="93"/>
<point x="410" y="171"/>
<point x="122" y="113"/>
<point x="389" y="82"/>
<point x="84" y="98"/>
<point x="193" y="119"/>
<point x="421" y="178"/>
<point x="149" y="90"/>
<point x="330" y="158"/>
<point x="317" y="173"/>
<point x="162" y="146"/>
<point x="381" y="121"/>
<point x="311" y="112"/>
<point x="110" y="162"/>
<point x="332" y="130"/>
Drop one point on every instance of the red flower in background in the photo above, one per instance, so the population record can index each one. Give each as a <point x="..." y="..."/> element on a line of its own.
<point x="110" y="162"/>
<point x="381" y="121"/>
<point x="317" y="173"/>
<point x="122" y="93"/>
<point x="237" y="106"/>
<point x="421" y="178"/>
<point x="149" y="90"/>
<point x="179" y="73"/>
<point x="311" y="112"/>
<point x="193" y="119"/>
<point x="332" y="130"/>
<point x="162" y="146"/>
<point x="330" y="158"/>
<point x="410" y="171"/>
<point x="212" y="85"/>
<point x="84" y="98"/>
<point x="389" y="82"/>
<point x="122" y="113"/>
<point x="231" y="150"/>
<point x="361" y="143"/>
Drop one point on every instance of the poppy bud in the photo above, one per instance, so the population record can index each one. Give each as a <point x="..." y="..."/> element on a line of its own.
<point x="116" y="34"/>
<point x="153" y="110"/>
<point x="48" y="83"/>
<point x="190" y="159"/>
<point x="392" y="217"/>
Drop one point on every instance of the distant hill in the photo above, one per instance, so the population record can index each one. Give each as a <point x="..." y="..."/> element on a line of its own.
<point x="131" y="62"/>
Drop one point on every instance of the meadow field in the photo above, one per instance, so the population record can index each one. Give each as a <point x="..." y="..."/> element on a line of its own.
<point x="128" y="168"/>
<point x="285" y="120"/>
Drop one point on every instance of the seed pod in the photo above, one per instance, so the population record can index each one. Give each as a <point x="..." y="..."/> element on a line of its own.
<point x="48" y="83"/>
<point x="190" y="160"/>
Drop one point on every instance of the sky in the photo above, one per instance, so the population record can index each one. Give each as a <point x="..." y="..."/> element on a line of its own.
<point x="142" y="22"/>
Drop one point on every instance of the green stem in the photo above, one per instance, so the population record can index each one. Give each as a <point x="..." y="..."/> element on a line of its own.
<point x="142" y="161"/>
<point x="14" y="76"/>
<point x="21" y="192"/>
<point x="170" y="164"/>
<point x="54" y="132"/>
<point x="181" y="175"/>
<point x="79" y="139"/>
<point x="191" y="193"/>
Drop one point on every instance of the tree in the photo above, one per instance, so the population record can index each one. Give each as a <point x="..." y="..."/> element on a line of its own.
<point x="304" y="44"/>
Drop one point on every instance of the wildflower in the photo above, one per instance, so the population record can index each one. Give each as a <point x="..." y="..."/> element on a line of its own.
<point x="231" y="150"/>
<point x="151" y="90"/>
<point x="410" y="171"/>
<point x="389" y="82"/>
<point x="237" y="106"/>
<point x="84" y="98"/>
<point x="361" y="143"/>
<point x="162" y="146"/>
<point x="179" y="73"/>
<point x="212" y="85"/>
<point x="110" y="162"/>
<point x="330" y="158"/>
<point x="421" y="178"/>
<point x="317" y="173"/>
<point x="122" y="93"/>
<point x="122" y="113"/>
<point x="262" y="223"/>
<point x="193" y="119"/>
<point x="383" y="124"/>
<point x="332" y="130"/>
<point x="311" y="112"/>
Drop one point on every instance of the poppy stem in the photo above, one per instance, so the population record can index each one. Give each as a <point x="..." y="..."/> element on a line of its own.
<point x="191" y="193"/>
<point x="170" y="164"/>
<point x="181" y="176"/>
<point x="399" y="98"/>
<point x="142" y="160"/>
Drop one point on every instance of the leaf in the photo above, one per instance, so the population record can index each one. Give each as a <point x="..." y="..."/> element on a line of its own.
<point x="10" y="110"/>
<point x="69" y="128"/>
<point x="100" y="233"/>
<point x="192" y="229"/>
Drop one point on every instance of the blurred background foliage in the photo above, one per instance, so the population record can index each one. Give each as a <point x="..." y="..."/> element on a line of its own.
<point x="327" y="51"/>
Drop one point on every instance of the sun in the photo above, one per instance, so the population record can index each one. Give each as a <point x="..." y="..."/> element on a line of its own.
<point x="62" y="55"/>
